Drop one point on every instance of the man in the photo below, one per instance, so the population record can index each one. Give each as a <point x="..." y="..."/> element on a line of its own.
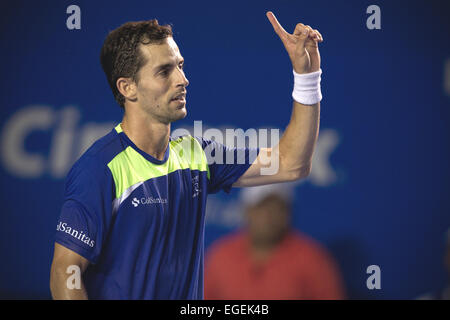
<point x="133" y="215"/>
<point x="268" y="259"/>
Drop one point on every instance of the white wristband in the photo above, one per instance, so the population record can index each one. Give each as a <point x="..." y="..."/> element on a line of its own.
<point x="307" y="87"/>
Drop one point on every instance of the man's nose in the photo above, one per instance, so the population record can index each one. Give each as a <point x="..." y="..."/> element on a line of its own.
<point x="182" y="80"/>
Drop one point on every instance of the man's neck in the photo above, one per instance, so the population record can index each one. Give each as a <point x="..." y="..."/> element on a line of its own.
<point x="147" y="134"/>
<point x="261" y="250"/>
<point x="260" y="254"/>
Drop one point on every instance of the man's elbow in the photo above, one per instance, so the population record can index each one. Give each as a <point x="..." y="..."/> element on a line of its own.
<point x="299" y="173"/>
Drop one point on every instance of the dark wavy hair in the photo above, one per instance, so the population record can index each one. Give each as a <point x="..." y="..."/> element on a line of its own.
<point x="120" y="55"/>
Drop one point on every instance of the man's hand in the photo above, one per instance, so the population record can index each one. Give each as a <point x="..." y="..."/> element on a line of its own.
<point x="302" y="45"/>
<point x="293" y="154"/>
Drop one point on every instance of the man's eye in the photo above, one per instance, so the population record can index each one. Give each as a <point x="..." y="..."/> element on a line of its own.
<point x="164" y="72"/>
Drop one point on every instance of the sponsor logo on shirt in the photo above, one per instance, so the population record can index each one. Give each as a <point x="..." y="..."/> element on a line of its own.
<point x="195" y="187"/>
<point x="135" y="202"/>
<point x="148" y="200"/>
<point x="79" y="235"/>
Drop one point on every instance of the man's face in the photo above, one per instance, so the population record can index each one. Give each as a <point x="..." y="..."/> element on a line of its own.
<point x="268" y="220"/>
<point x="161" y="85"/>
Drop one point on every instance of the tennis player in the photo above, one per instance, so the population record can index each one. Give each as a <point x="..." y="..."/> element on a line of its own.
<point x="133" y="216"/>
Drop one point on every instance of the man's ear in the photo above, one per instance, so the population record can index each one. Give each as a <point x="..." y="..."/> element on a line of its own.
<point x="127" y="87"/>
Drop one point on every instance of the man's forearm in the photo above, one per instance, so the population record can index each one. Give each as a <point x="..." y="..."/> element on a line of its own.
<point x="296" y="146"/>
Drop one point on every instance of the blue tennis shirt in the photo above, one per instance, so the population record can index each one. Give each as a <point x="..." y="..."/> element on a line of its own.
<point x="139" y="220"/>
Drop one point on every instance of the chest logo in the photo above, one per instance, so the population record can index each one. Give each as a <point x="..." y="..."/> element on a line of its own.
<point x="195" y="187"/>
<point x="148" y="201"/>
<point x="135" y="202"/>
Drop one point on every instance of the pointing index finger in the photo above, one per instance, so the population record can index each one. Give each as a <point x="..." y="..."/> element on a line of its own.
<point x="276" y="25"/>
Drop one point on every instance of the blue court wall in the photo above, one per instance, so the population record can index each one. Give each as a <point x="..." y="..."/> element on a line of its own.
<point x="379" y="190"/>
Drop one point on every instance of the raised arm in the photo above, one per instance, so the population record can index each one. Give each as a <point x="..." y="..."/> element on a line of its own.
<point x="64" y="260"/>
<point x="291" y="159"/>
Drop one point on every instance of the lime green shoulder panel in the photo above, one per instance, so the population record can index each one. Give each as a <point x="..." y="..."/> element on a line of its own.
<point x="130" y="168"/>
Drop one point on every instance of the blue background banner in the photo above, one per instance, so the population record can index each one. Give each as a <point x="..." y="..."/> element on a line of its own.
<point x="379" y="190"/>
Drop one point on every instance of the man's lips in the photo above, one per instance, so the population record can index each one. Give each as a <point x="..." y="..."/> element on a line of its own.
<point x="180" y="97"/>
<point x="180" y="102"/>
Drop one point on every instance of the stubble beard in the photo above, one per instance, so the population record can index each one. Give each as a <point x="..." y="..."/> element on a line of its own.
<point x="172" y="114"/>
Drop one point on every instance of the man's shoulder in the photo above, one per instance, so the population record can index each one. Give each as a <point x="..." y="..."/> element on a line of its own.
<point x="104" y="149"/>
<point x="95" y="159"/>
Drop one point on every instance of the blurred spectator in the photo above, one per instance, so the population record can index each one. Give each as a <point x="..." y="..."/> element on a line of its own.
<point x="443" y="293"/>
<point x="269" y="259"/>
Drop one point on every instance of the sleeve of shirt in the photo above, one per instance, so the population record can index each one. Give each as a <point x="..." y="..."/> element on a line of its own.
<point x="226" y="165"/>
<point x="86" y="210"/>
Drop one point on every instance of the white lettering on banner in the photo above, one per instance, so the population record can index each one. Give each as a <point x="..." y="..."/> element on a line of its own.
<point x="69" y="140"/>
<point x="322" y="173"/>
<point x="15" y="158"/>
<point x="67" y="144"/>
<point x="79" y="235"/>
